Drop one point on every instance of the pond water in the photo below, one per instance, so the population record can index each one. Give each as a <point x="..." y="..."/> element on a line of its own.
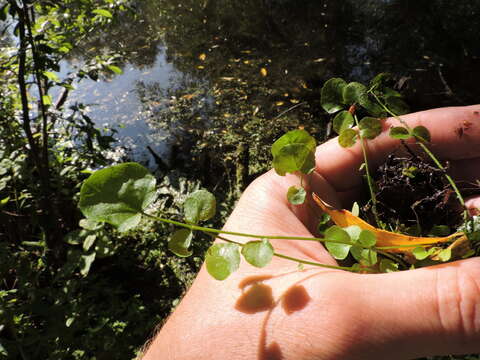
<point x="197" y="66"/>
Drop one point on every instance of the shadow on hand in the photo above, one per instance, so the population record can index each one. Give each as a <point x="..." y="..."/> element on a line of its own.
<point x="258" y="297"/>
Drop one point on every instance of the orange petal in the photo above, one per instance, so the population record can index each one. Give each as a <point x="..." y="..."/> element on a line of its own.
<point x="344" y="218"/>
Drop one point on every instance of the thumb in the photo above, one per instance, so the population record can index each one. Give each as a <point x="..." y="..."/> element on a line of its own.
<point x="429" y="311"/>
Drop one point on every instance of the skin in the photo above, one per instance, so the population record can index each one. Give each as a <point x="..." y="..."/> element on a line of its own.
<point x="279" y="312"/>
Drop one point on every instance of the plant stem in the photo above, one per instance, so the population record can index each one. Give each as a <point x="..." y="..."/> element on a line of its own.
<point x="369" y="178"/>
<point x="301" y="261"/>
<point x="255" y="236"/>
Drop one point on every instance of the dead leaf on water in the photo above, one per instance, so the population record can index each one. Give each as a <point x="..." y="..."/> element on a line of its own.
<point x="344" y="218"/>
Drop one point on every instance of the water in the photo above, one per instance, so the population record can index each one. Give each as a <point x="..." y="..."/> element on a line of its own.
<point x="200" y="62"/>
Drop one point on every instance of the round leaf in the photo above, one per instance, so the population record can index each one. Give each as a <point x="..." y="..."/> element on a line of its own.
<point x="353" y="231"/>
<point x="420" y="253"/>
<point x="399" y="132"/>
<point x="356" y="93"/>
<point x="199" y="206"/>
<point x="258" y="253"/>
<point x="337" y="250"/>
<point x="367" y="238"/>
<point x="445" y="254"/>
<point x="180" y="242"/>
<point x="396" y="104"/>
<point x="353" y="93"/>
<point x="421" y="133"/>
<point x="294" y="151"/>
<point x="370" y="127"/>
<point x="296" y="196"/>
<point x="343" y="120"/>
<point x="117" y="195"/>
<point x="222" y="259"/>
<point x="347" y="138"/>
<point x="366" y="257"/>
<point x="332" y="95"/>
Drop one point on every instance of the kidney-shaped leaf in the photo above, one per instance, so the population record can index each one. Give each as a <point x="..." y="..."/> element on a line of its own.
<point x="258" y="253"/>
<point x="294" y="151"/>
<point x="180" y="241"/>
<point x="117" y="195"/>
<point x="296" y="195"/>
<point x="332" y="95"/>
<point x="399" y="132"/>
<point x="337" y="250"/>
<point x="370" y="127"/>
<point x="199" y="206"/>
<point x="421" y="133"/>
<point x="343" y="120"/>
<point x="347" y="138"/>
<point x="222" y="260"/>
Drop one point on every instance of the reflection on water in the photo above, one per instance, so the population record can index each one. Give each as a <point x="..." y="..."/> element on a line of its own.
<point x="218" y="65"/>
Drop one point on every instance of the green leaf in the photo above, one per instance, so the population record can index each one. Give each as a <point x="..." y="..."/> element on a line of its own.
<point x="396" y="105"/>
<point x="296" y="196"/>
<point x="388" y="266"/>
<point x="199" y="206"/>
<point x="294" y="151"/>
<point x="115" y="69"/>
<point x="89" y="224"/>
<point x="180" y="242"/>
<point x="337" y="250"/>
<point x="380" y="79"/>
<point x="354" y="232"/>
<point x="343" y="120"/>
<point x="258" y="253"/>
<point x="117" y="195"/>
<point x="367" y="238"/>
<point x="445" y="254"/>
<point x="86" y="263"/>
<point x="355" y="209"/>
<point x="47" y="100"/>
<point x="347" y="138"/>
<point x="89" y="241"/>
<point x="332" y="95"/>
<point x="353" y="93"/>
<point x="323" y="223"/>
<point x="222" y="259"/>
<point x="4" y="201"/>
<point x="420" y="253"/>
<point x="370" y="127"/>
<point x="103" y="12"/>
<point x="399" y="132"/>
<point x="69" y="321"/>
<point x="366" y="257"/>
<point x="421" y="133"/>
<point x="356" y="93"/>
<point x="51" y="76"/>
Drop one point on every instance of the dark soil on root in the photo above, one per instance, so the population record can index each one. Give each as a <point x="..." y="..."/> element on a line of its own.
<point x="413" y="196"/>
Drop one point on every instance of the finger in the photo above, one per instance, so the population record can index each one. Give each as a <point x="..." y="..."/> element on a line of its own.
<point x="339" y="166"/>
<point x="429" y="311"/>
<point x="466" y="171"/>
<point x="473" y="205"/>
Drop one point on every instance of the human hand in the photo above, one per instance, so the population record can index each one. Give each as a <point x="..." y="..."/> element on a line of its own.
<point x="280" y="312"/>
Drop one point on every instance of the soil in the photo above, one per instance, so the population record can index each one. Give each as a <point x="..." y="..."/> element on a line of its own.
<point x="414" y="196"/>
